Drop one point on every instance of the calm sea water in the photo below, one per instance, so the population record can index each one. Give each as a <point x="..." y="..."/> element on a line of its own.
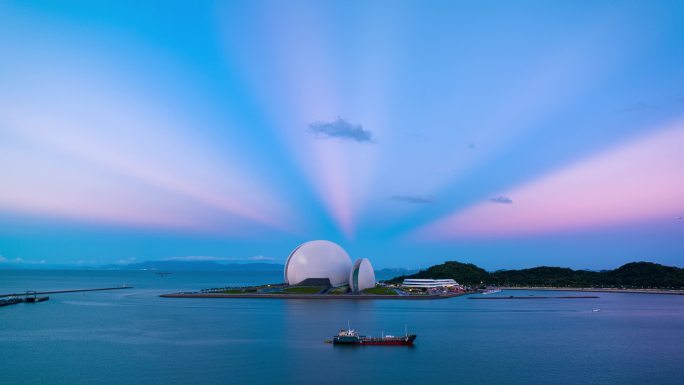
<point x="134" y="337"/>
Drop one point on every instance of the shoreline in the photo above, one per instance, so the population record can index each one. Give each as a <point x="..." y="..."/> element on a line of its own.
<point x="314" y="296"/>
<point x="597" y="290"/>
<point x="541" y="297"/>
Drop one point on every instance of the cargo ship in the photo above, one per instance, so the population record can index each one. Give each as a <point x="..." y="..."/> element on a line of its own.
<point x="351" y="337"/>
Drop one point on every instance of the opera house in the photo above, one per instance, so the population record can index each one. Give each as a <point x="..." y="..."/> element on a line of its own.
<point x="325" y="263"/>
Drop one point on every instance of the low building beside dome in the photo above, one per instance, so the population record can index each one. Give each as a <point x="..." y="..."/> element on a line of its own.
<point x="428" y="283"/>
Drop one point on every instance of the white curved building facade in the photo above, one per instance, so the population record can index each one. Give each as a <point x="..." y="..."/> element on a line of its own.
<point x="318" y="259"/>
<point x="362" y="276"/>
<point x="429" y="283"/>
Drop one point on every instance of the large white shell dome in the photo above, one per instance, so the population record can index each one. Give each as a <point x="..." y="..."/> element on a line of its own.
<point x="318" y="259"/>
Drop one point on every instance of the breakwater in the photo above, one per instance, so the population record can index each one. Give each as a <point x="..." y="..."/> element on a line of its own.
<point x="33" y="293"/>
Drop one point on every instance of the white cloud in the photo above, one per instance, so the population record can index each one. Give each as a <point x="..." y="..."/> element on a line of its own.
<point x="20" y="260"/>
<point x="126" y="261"/>
<point x="193" y="258"/>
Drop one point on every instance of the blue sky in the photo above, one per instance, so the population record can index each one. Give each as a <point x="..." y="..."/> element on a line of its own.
<point x="507" y="134"/>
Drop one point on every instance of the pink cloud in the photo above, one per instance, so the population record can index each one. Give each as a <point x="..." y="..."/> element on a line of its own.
<point x="637" y="181"/>
<point x="147" y="150"/>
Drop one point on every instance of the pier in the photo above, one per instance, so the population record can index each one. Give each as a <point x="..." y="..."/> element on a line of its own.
<point x="33" y="296"/>
<point x="34" y="293"/>
<point x="29" y="297"/>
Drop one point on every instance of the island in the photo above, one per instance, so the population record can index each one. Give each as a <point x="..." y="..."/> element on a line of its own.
<point x="323" y="291"/>
<point x="323" y="270"/>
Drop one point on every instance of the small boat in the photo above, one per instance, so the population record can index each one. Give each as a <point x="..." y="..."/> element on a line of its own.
<point x="491" y="291"/>
<point x="351" y="337"/>
<point x="32" y="297"/>
<point x="36" y="299"/>
<point x="596" y="310"/>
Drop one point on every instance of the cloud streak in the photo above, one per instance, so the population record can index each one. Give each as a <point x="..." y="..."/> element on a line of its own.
<point x="20" y="260"/>
<point x="414" y="199"/>
<point x="341" y="129"/>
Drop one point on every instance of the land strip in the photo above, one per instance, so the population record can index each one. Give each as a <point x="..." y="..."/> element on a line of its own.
<point x="597" y="290"/>
<point x="312" y="296"/>
<point x="540" y="297"/>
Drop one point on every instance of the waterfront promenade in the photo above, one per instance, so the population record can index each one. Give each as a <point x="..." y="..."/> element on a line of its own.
<point x="312" y="296"/>
<point x="596" y="290"/>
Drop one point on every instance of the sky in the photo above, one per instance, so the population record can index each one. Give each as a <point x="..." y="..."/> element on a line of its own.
<point x="508" y="134"/>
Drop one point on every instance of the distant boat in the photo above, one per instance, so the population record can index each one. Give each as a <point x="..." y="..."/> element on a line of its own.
<point x="31" y="297"/>
<point x="491" y="291"/>
<point x="595" y="310"/>
<point x="36" y="299"/>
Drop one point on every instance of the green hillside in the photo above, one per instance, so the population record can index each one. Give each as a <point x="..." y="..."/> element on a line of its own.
<point x="631" y="275"/>
<point x="465" y="273"/>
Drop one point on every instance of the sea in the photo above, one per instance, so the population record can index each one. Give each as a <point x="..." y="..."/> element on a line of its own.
<point x="133" y="336"/>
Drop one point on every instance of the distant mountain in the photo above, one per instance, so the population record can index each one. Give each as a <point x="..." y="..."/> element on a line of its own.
<point x="632" y="275"/>
<point x="196" y="266"/>
<point x="171" y="265"/>
<point x="387" y="273"/>
<point x="41" y="266"/>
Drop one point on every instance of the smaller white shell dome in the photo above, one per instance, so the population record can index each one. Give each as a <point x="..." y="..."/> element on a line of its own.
<point x="318" y="259"/>
<point x="362" y="276"/>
